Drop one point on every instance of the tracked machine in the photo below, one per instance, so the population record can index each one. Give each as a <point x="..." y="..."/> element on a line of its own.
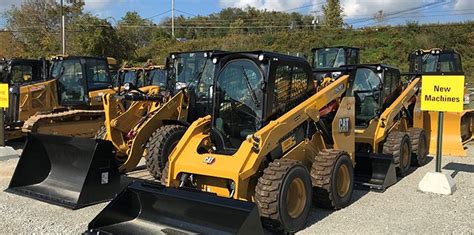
<point x="458" y="127"/>
<point x="76" y="90"/>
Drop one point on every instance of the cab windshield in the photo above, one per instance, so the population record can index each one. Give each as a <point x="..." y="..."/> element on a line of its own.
<point x="366" y="90"/>
<point x="238" y="102"/>
<point x="129" y="76"/>
<point x="445" y="62"/>
<point x="188" y="65"/>
<point x="158" y="77"/>
<point x="328" y="58"/>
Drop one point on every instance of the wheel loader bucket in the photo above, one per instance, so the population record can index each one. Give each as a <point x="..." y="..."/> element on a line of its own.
<point x="458" y="129"/>
<point x="144" y="208"/>
<point x="375" y="171"/>
<point x="66" y="171"/>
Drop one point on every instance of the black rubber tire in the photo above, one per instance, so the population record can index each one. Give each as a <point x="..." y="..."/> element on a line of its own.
<point x="394" y="145"/>
<point x="324" y="179"/>
<point x="159" y="146"/>
<point x="271" y="194"/>
<point x="419" y="146"/>
<point x="101" y="133"/>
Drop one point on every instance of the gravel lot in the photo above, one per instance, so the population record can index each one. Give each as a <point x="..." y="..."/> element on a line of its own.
<point x="401" y="209"/>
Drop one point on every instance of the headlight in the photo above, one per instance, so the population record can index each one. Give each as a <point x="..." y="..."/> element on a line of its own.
<point x="180" y="85"/>
<point x="214" y="60"/>
<point x="261" y="57"/>
<point x="126" y="86"/>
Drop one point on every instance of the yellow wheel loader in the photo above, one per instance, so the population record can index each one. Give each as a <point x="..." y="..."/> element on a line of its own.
<point x="262" y="153"/>
<point x="157" y="120"/>
<point x="458" y="128"/>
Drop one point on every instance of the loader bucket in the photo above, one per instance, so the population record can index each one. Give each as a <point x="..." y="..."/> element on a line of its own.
<point x="144" y="208"/>
<point x="375" y="171"/>
<point x="458" y="129"/>
<point x="66" y="171"/>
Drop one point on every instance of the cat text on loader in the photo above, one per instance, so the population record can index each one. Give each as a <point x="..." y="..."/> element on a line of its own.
<point x="458" y="128"/>
<point x="73" y="172"/>
<point x="155" y="122"/>
<point x="264" y="152"/>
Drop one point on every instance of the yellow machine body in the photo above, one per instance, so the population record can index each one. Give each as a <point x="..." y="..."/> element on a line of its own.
<point x="129" y="129"/>
<point x="241" y="167"/>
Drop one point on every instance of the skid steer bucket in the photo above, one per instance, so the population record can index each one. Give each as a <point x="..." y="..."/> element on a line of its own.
<point x="144" y="208"/>
<point x="458" y="129"/>
<point x="375" y="171"/>
<point x="70" y="172"/>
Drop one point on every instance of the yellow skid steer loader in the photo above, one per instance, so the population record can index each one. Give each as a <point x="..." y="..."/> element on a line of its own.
<point x="262" y="153"/>
<point x="272" y="145"/>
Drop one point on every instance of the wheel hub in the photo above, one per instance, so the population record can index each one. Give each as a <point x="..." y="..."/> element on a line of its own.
<point x="296" y="198"/>
<point x="343" y="181"/>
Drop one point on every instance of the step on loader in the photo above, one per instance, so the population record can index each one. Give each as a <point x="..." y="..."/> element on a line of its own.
<point x="264" y="149"/>
<point x="458" y="128"/>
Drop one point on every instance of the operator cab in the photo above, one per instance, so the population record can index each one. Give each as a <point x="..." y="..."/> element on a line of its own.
<point x="195" y="72"/>
<point x="253" y="88"/>
<point x="375" y="87"/>
<point x="327" y="60"/>
<point x="77" y="76"/>
<point x="435" y="60"/>
<point x="21" y="71"/>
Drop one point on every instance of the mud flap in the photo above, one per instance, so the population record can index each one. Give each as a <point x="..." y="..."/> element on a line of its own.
<point x="144" y="208"/>
<point x="375" y="171"/>
<point x="66" y="171"/>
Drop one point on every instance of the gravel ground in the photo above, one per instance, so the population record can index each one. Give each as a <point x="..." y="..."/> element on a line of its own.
<point x="400" y="209"/>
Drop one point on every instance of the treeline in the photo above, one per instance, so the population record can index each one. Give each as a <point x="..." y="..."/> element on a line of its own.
<point x="33" y="30"/>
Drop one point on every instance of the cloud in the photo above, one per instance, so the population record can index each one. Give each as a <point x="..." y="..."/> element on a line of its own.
<point x="97" y="5"/>
<point x="277" y="5"/>
<point x="352" y="8"/>
<point x="463" y="4"/>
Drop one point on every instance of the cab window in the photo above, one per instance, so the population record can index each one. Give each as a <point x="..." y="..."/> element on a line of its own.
<point x="291" y="86"/>
<point x="97" y="74"/>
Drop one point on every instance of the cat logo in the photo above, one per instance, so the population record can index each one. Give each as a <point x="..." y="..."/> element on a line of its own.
<point x="209" y="160"/>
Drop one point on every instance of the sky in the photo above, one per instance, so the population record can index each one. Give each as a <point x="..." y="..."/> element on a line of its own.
<point x="356" y="12"/>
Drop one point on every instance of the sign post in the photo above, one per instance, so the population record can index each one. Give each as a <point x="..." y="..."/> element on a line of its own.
<point x="440" y="93"/>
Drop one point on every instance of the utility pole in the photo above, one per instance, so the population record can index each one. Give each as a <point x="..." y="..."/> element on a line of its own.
<point x="172" y="18"/>
<point x="315" y="19"/>
<point x="63" y="30"/>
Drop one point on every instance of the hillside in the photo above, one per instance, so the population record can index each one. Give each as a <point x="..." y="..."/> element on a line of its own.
<point x="389" y="45"/>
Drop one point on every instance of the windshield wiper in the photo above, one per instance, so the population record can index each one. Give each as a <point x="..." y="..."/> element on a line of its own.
<point x="249" y="87"/>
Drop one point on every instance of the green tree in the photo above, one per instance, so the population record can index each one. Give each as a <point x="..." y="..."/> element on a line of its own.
<point x="134" y="33"/>
<point x="96" y="37"/>
<point x="36" y="25"/>
<point x="333" y="14"/>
